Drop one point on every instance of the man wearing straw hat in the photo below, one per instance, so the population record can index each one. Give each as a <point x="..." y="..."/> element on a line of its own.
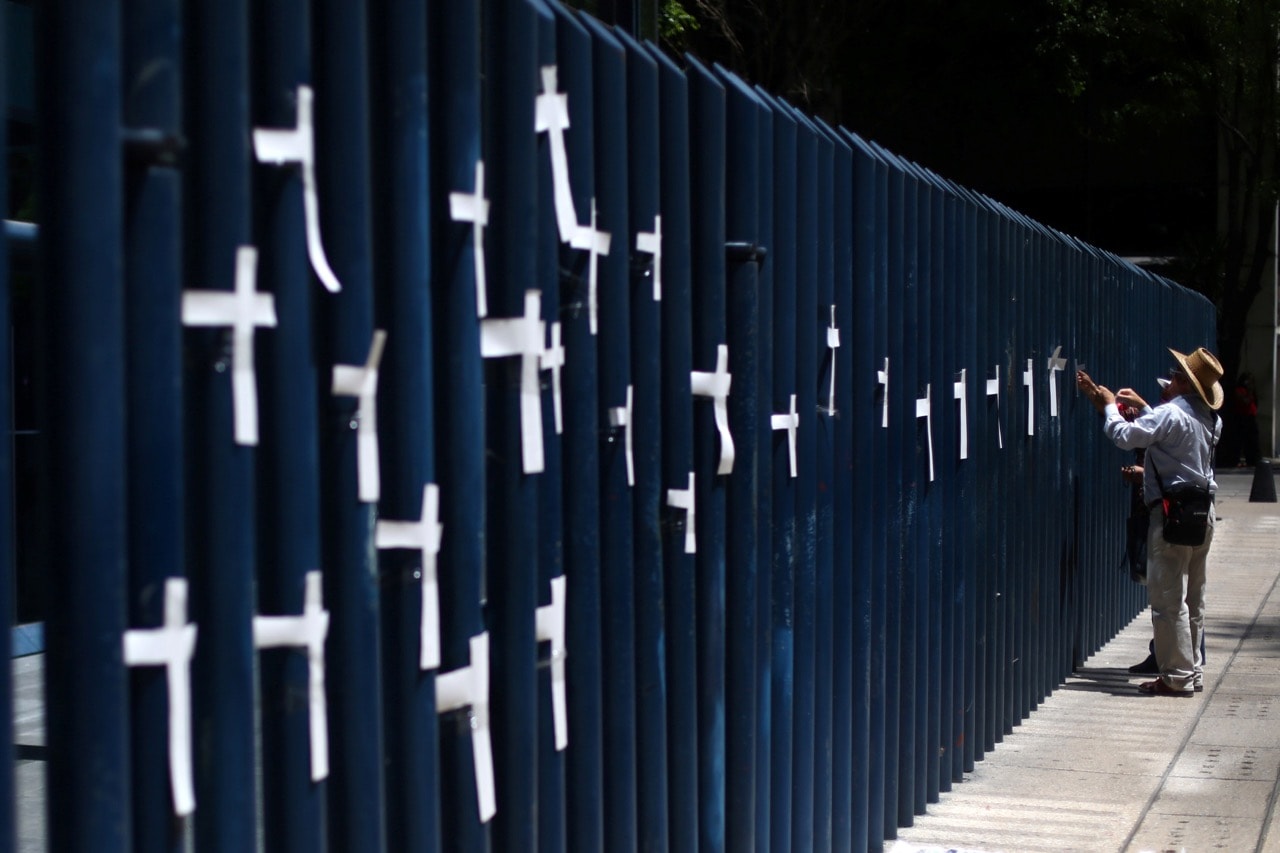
<point x="1179" y="438"/>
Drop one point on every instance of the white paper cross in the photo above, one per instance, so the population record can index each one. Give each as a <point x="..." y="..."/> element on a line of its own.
<point x="171" y="646"/>
<point x="1056" y="364"/>
<point x="1028" y="381"/>
<point x="924" y="409"/>
<point x="298" y="145"/>
<point x="833" y="343"/>
<point x="306" y="631"/>
<point x="422" y="535"/>
<point x="550" y="628"/>
<point x="551" y="115"/>
<point x="595" y="242"/>
<point x="468" y="687"/>
<point x="882" y="378"/>
<point x="473" y="207"/>
<point x="790" y="422"/>
<point x="552" y="359"/>
<point x="716" y="386"/>
<point x="361" y="382"/>
<point x="242" y="310"/>
<point x="620" y="418"/>
<point x="650" y="242"/>
<point x="684" y="499"/>
<point x="522" y="336"/>
<point x="962" y="394"/>
<point x="993" y="390"/>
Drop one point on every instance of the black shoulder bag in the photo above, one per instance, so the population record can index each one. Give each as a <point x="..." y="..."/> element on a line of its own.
<point x="1186" y="508"/>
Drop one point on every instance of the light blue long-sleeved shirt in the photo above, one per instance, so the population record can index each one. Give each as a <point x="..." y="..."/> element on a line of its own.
<point x="1178" y="436"/>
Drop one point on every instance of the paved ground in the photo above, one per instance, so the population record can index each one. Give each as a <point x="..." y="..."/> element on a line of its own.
<point x="1099" y="767"/>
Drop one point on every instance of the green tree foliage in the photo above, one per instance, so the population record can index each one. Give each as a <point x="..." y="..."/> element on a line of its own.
<point x="1158" y="61"/>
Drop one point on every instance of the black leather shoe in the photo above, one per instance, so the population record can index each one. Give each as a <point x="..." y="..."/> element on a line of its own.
<point x="1159" y="688"/>
<point x="1147" y="667"/>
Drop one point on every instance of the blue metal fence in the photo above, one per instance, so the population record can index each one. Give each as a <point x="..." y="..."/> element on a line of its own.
<point x="470" y="428"/>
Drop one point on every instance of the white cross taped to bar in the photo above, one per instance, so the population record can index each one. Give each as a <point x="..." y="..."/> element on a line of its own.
<point x="422" y="535"/>
<point x="650" y="242"/>
<point x="473" y="207"/>
<point x="924" y="409"/>
<point x="172" y="646"/>
<point x="551" y="116"/>
<point x="790" y="422"/>
<point x="882" y="378"/>
<point x="1056" y="364"/>
<point x="833" y="343"/>
<point x="552" y="358"/>
<point x="620" y="417"/>
<point x="716" y="386"/>
<point x="468" y="687"/>
<point x="551" y="628"/>
<point x="298" y="145"/>
<point x="1029" y="381"/>
<point x="361" y="382"/>
<point x="961" y="392"/>
<point x="993" y="390"/>
<point x="596" y="242"/>
<point x="522" y="336"/>
<point x="307" y="631"/>
<point x="242" y="310"/>
<point x="684" y="499"/>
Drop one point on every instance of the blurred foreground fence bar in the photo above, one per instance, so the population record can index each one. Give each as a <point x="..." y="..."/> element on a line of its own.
<point x="492" y="432"/>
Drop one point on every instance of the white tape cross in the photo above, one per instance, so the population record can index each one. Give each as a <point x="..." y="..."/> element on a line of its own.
<point x="924" y="409"/>
<point x="1056" y="364"/>
<point x="993" y="390"/>
<point x="361" y="382"/>
<point x="422" y="535"/>
<point x="551" y="116"/>
<point x="650" y="242"/>
<point x="595" y="242"/>
<point x="1029" y="382"/>
<point x="684" y="499"/>
<point x="962" y="395"/>
<point x="790" y="422"/>
<point x="522" y="336"/>
<point x="833" y="343"/>
<point x="298" y="146"/>
<point x="551" y="628"/>
<point x="552" y="359"/>
<point x="468" y="687"/>
<point x="171" y="646"/>
<point x="716" y="386"/>
<point x="473" y="207"/>
<point x="882" y="378"/>
<point x="306" y="631"/>
<point x="620" y="418"/>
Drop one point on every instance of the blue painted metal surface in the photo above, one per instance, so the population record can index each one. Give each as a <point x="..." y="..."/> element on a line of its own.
<point x="289" y="509"/>
<point x="761" y="658"/>
<point x="7" y="526"/>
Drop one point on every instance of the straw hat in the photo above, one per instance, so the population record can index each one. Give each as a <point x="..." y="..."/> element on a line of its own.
<point x="1204" y="371"/>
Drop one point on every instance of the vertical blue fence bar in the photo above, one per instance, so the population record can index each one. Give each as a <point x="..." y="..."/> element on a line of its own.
<point x="764" y="479"/>
<point x="676" y="363"/>
<point x="707" y="193"/>
<point x="585" y="771"/>
<point x="82" y="194"/>
<point x="745" y="255"/>
<point x="402" y="273"/>
<point x="153" y="275"/>
<point x="457" y="158"/>
<point x="511" y="541"/>
<point x="645" y="423"/>
<point x="289" y="530"/>
<point x="356" y="816"/>
<point x="782" y="266"/>
<point x="220" y="473"/>
<point x="815" y="325"/>
<point x="617" y="542"/>
<point x="551" y="799"/>
<point x="848" y="687"/>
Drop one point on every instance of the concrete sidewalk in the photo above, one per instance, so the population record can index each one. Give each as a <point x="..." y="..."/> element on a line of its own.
<point x="1099" y="767"/>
